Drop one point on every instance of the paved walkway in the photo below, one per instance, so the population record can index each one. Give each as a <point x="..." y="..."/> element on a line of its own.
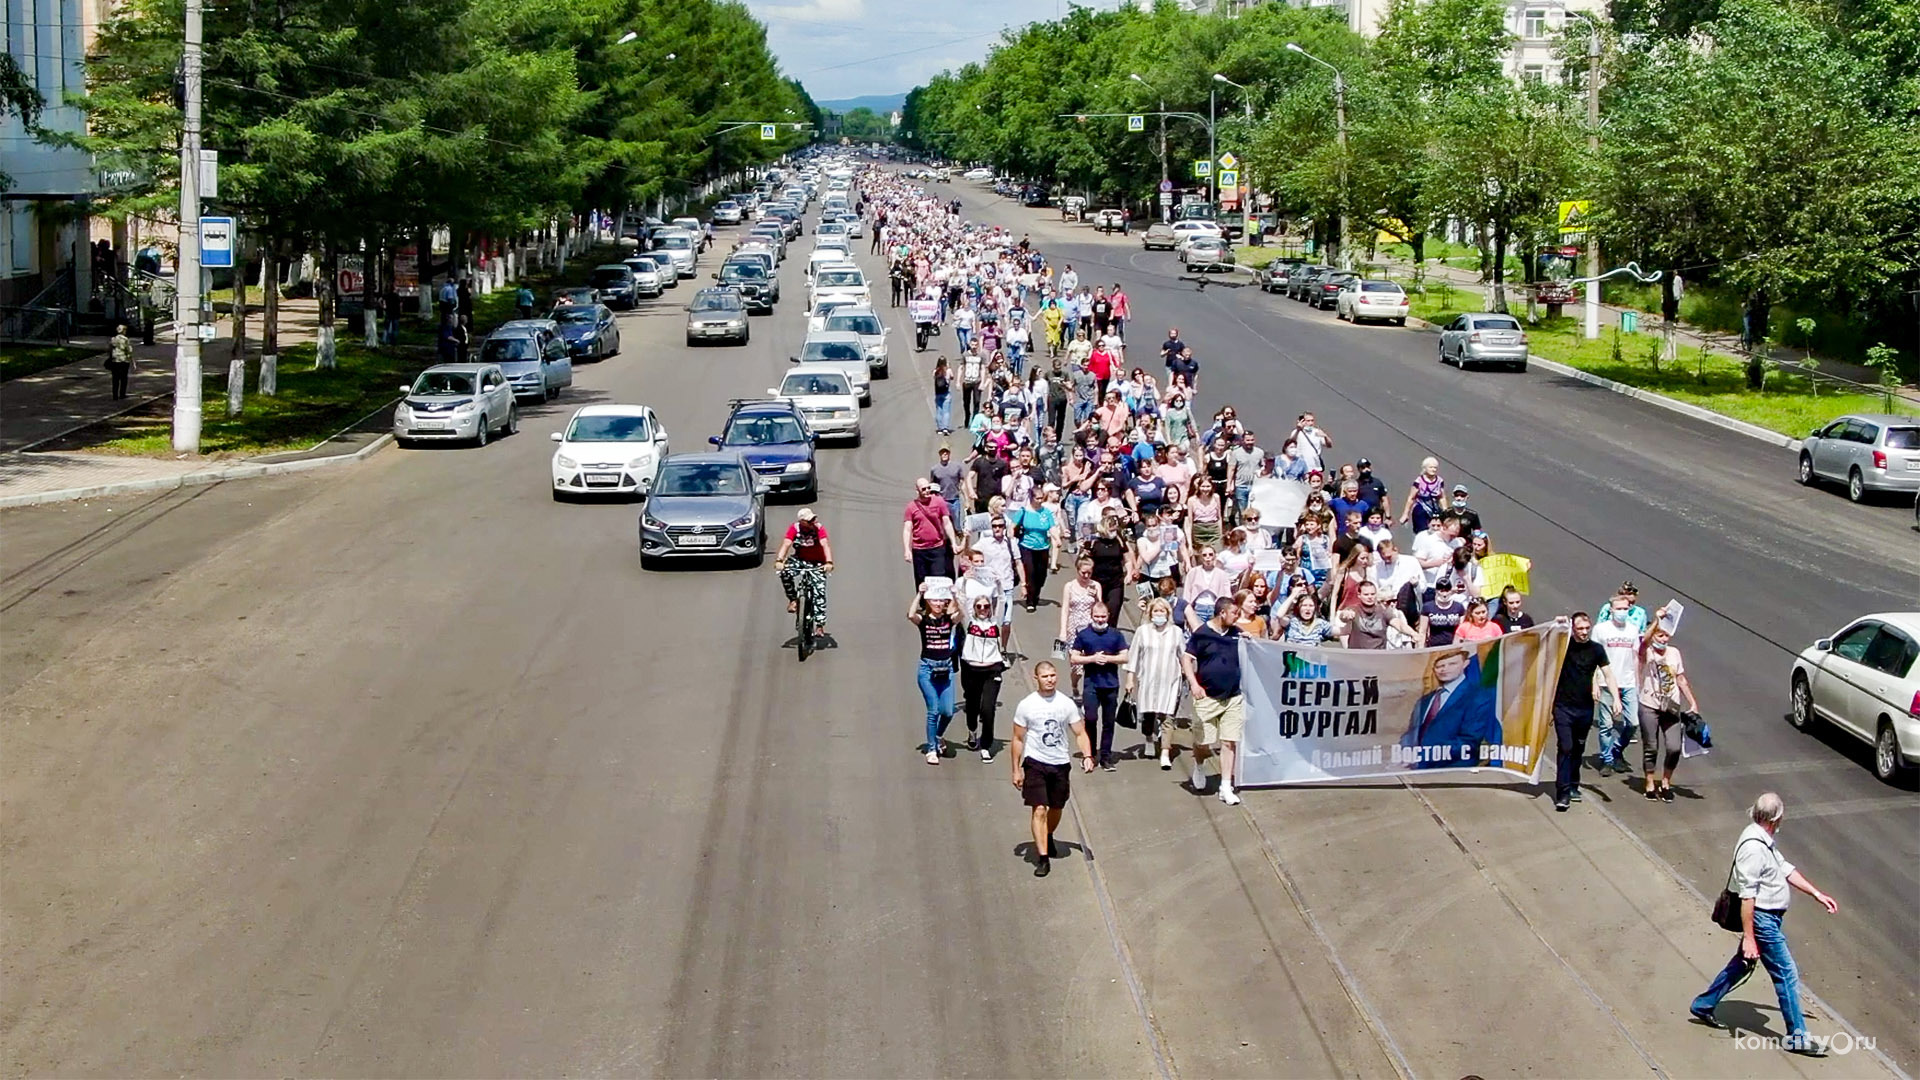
<point x="1686" y="335"/>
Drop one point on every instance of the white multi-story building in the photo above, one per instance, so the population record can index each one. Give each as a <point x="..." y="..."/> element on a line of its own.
<point x="40" y="236"/>
<point x="1536" y="26"/>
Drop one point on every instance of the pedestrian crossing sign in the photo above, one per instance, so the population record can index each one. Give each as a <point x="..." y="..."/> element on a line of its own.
<point x="1573" y="215"/>
<point x="1229" y="178"/>
<point x="769" y="132"/>
<point x="1203" y="168"/>
<point x="1136" y="123"/>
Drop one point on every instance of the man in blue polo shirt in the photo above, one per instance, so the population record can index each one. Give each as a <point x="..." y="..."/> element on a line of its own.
<point x="1099" y="650"/>
<point x="1212" y="662"/>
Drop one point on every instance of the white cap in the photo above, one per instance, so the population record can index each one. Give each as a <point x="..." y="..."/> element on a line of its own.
<point x="806" y="513"/>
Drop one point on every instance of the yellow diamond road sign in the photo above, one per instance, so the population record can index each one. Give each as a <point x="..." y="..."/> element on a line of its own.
<point x="1228" y="161"/>
<point x="1573" y="215"/>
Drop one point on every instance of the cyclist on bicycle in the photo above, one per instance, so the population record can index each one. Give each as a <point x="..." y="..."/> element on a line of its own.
<point x="804" y="560"/>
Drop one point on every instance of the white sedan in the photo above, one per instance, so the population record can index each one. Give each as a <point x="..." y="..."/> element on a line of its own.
<point x="1382" y="300"/>
<point x="608" y="450"/>
<point x="827" y="398"/>
<point x="978" y="174"/>
<point x="1864" y="681"/>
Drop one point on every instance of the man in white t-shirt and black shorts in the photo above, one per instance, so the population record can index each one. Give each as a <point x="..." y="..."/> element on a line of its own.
<point x="1042" y="760"/>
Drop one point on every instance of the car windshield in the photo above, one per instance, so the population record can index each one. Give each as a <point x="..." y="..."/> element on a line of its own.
<point x="608" y="429"/>
<point x="610" y="277"/>
<point x="716" y="302"/>
<point x="742" y="272"/>
<point x="676" y="242"/>
<point x="726" y="204"/>
<point x="763" y="431"/>
<point x="1903" y="438"/>
<point x="700" y="478"/>
<point x="642" y="266"/>
<point x="828" y="228"/>
<point x="814" y="383"/>
<point x="442" y="384"/>
<point x="867" y="325"/>
<point x="831" y="278"/>
<point x="505" y="350"/>
<point x="573" y="314"/>
<point x="1379" y="286"/>
<point x="831" y="350"/>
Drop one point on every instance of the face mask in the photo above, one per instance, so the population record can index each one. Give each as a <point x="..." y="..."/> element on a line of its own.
<point x="1159" y="620"/>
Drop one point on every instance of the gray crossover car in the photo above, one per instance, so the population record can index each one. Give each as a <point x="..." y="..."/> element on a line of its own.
<point x="1867" y="451"/>
<point x="456" y="403"/>
<point x="1484" y="338"/>
<point x="704" y="505"/>
<point x="717" y="313"/>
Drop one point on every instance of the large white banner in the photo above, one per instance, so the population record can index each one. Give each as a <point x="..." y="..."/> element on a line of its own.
<point x="1337" y="714"/>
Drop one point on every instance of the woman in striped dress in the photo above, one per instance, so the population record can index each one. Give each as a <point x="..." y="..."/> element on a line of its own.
<point x="1154" y="675"/>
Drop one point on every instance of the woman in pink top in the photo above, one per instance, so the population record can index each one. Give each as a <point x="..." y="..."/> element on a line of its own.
<point x="1122" y="309"/>
<point x="1477" y="626"/>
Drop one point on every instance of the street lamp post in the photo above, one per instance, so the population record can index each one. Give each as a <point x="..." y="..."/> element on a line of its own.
<point x="1246" y="104"/>
<point x="1164" y="203"/>
<point x="1340" y="134"/>
<point x="1591" y="304"/>
<point x="186" y="334"/>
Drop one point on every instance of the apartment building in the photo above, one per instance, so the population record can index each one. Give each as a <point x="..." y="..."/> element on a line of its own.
<point x="44" y="228"/>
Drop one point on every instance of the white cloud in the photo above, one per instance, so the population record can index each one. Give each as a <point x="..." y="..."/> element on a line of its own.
<point x="848" y="48"/>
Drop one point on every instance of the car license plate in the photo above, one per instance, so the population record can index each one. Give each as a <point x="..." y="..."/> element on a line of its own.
<point x="603" y="478"/>
<point x="699" y="541"/>
<point x="430" y="427"/>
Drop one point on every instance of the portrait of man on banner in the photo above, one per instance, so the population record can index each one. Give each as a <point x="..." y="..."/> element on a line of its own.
<point x="1458" y="712"/>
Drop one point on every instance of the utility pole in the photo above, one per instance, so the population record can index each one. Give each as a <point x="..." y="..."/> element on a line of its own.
<point x="1213" y="152"/>
<point x="1592" y="305"/>
<point x="1340" y="132"/>
<point x="1166" y="202"/>
<point x="186" y="323"/>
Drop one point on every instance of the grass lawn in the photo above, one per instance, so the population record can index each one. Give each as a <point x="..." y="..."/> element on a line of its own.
<point x="19" y="360"/>
<point x="1791" y="404"/>
<point x="310" y="406"/>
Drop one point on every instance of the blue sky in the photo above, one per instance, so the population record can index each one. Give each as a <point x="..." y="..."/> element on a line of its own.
<point x="846" y="48"/>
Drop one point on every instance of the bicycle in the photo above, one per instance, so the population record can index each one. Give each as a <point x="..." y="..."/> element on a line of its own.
<point x="805" y="580"/>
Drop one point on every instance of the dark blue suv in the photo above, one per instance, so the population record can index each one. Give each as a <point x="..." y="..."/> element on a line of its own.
<point x="774" y="438"/>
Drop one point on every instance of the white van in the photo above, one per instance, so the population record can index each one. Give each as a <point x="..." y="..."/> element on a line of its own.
<point x="679" y="245"/>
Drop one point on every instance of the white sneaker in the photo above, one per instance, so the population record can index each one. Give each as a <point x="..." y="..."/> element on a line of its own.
<point x="933" y="757"/>
<point x="986" y="755"/>
<point x="1199" y="778"/>
<point x="1227" y="796"/>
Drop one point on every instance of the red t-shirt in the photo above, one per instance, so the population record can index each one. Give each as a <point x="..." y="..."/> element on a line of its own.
<point x="1100" y="363"/>
<point x="807" y="549"/>
<point x="927" y="519"/>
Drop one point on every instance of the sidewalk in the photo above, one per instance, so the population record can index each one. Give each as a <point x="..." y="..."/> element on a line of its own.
<point x="40" y="408"/>
<point x="36" y="408"/>
<point x="1685" y="335"/>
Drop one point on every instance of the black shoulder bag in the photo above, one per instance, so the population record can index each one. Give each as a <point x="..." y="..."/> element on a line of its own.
<point x="1726" y="910"/>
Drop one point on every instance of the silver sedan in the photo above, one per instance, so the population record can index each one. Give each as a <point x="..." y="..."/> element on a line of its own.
<point x="1484" y="338"/>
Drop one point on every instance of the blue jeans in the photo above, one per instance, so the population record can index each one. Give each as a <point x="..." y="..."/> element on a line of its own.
<point x="1614" y="731"/>
<point x="963" y="335"/>
<point x="1081" y="410"/>
<point x="1013" y="359"/>
<point x="936" y="686"/>
<point x="1772" y="939"/>
<point x="943" y="410"/>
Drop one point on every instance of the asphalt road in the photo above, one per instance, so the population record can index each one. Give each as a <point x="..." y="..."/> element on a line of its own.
<point x="405" y="769"/>
<point x="1598" y="488"/>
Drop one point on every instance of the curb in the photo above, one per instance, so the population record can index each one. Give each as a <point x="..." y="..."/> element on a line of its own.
<point x="195" y="479"/>
<point x="1661" y="401"/>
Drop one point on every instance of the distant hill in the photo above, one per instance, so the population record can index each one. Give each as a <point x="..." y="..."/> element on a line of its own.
<point x="879" y="103"/>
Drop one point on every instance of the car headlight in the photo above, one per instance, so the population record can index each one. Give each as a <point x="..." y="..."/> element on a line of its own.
<point x="640" y="462"/>
<point x="465" y="407"/>
<point x="565" y="462"/>
<point x="401" y="412"/>
<point x="648" y="521"/>
<point x="800" y="466"/>
<point x="742" y="521"/>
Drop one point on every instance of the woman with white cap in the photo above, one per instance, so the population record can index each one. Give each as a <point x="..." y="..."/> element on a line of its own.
<point x="932" y="612"/>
